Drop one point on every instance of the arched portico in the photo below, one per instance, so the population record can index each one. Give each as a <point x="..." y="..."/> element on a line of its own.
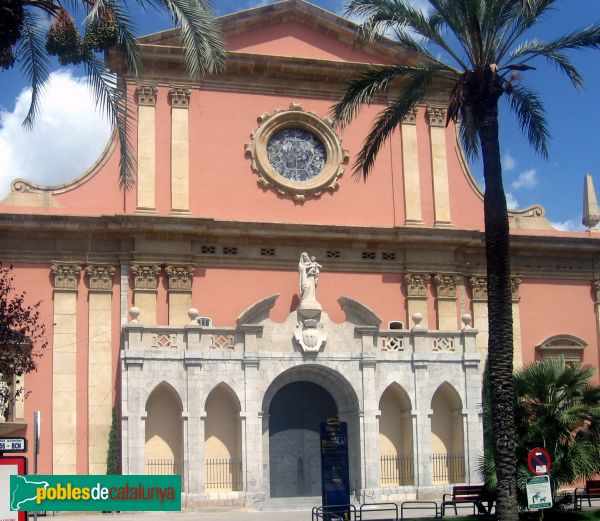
<point x="314" y="393"/>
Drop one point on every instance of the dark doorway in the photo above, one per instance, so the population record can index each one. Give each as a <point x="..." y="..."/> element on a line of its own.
<point x="295" y="416"/>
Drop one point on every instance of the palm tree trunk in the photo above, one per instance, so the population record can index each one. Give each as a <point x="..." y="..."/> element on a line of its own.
<point x="500" y="344"/>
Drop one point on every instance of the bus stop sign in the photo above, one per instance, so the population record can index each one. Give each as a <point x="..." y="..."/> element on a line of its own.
<point x="538" y="461"/>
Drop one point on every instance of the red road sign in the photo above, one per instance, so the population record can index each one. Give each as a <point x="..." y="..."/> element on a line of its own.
<point x="538" y="461"/>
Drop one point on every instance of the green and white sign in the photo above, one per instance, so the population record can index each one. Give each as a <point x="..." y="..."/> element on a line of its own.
<point x="539" y="493"/>
<point x="95" y="493"/>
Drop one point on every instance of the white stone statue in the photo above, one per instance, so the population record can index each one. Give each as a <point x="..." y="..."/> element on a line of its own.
<point x="309" y="270"/>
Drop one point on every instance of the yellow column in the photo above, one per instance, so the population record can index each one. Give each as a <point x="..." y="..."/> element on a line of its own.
<point x="439" y="165"/>
<point x="145" y="284"/>
<point x="100" y="279"/>
<point x="515" y="282"/>
<point x="410" y="169"/>
<point x="446" y="284"/>
<point x="416" y="291"/>
<point x="180" y="293"/>
<point x="180" y="165"/>
<point x="480" y="315"/>
<point x="64" y="373"/>
<point x="146" y="160"/>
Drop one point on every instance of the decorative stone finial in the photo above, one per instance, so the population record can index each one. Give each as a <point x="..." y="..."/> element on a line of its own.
<point x="134" y="312"/>
<point x="146" y="95"/>
<point x="591" y="212"/>
<point x="193" y="314"/>
<point x="416" y="284"/>
<point x="466" y="320"/>
<point x="417" y="318"/>
<point x="66" y="276"/>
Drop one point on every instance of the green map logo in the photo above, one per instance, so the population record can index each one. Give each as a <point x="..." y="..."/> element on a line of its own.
<point x="95" y="493"/>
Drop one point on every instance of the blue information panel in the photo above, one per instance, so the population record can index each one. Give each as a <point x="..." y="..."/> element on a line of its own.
<point x="335" y="477"/>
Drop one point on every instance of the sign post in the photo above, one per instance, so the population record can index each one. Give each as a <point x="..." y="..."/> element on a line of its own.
<point x="335" y="478"/>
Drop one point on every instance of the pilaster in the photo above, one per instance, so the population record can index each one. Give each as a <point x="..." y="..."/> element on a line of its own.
<point x="146" y="160"/>
<point x="416" y="292"/>
<point x="180" y="163"/>
<point x="439" y="165"/>
<point x="370" y="433"/>
<point x="410" y="169"/>
<point x="515" y="283"/>
<point x="64" y="372"/>
<point x="479" y="297"/>
<point x="100" y="281"/>
<point x="145" y="284"/>
<point x="446" y="284"/>
<point x="180" y="279"/>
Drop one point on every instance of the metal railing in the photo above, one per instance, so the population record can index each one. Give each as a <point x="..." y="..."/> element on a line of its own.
<point x="164" y="466"/>
<point x="448" y="468"/>
<point x="223" y="474"/>
<point x="396" y="470"/>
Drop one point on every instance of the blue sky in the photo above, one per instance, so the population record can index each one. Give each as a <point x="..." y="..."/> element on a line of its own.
<point x="50" y="154"/>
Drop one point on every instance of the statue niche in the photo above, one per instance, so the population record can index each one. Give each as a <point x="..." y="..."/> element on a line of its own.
<point x="309" y="332"/>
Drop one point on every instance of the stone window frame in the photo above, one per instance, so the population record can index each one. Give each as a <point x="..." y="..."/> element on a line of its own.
<point x="296" y="117"/>
<point x="568" y="346"/>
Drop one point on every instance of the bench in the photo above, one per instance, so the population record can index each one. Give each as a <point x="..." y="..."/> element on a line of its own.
<point x="589" y="492"/>
<point x="467" y="495"/>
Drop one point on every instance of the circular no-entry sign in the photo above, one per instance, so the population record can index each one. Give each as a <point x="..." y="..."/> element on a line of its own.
<point x="538" y="461"/>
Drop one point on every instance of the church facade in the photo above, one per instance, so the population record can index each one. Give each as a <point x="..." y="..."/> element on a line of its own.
<point x="248" y="288"/>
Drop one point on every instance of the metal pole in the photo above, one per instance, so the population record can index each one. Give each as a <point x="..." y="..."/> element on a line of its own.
<point x="36" y="447"/>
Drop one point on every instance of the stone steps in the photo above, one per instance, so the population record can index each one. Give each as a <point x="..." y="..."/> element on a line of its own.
<point x="292" y="503"/>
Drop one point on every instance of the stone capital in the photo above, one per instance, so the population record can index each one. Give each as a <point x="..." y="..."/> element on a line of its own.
<point x="437" y="116"/>
<point x="180" y="277"/>
<point x="479" y="287"/>
<point x="145" y="276"/>
<point x="410" y="118"/>
<point x="416" y="284"/>
<point x="180" y="97"/>
<point x="445" y="284"/>
<point x="66" y="276"/>
<point x="146" y="95"/>
<point x="596" y="288"/>
<point x="100" y="277"/>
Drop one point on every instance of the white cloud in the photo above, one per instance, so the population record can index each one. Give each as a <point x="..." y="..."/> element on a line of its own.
<point x="526" y="179"/>
<point x="68" y="136"/>
<point x="570" y="225"/>
<point x="511" y="201"/>
<point x="508" y="162"/>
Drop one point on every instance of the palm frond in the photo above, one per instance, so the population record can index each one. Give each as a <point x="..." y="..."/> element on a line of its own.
<point x="203" y="44"/>
<point x="31" y="52"/>
<point x="468" y="132"/>
<point x="415" y="86"/>
<point x="110" y="99"/>
<point x="125" y="27"/>
<point x="530" y="113"/>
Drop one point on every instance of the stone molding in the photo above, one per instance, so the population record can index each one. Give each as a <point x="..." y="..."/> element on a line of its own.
<point x="410" y="118"/>
<point x="146" y="95"/>
<point x="416" y="284"/>
<point x="100" y="278"/>
<point x="479" y="287"/>
<point x="180" y="97"/>
<point x="180" y="277"/>
<point x="66" y="276"/>
<point x="145" y="276"/>
<point x="446" y="284"/>
<point x="436" y="116"/>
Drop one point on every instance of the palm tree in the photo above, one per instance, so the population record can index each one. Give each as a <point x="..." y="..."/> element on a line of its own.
<point x="107" y="23"/>
<point x="483" y="40"/>
<point x="558" y="409"/>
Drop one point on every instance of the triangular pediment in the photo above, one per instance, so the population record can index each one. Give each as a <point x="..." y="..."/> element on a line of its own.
<point x="296" y="28"/>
